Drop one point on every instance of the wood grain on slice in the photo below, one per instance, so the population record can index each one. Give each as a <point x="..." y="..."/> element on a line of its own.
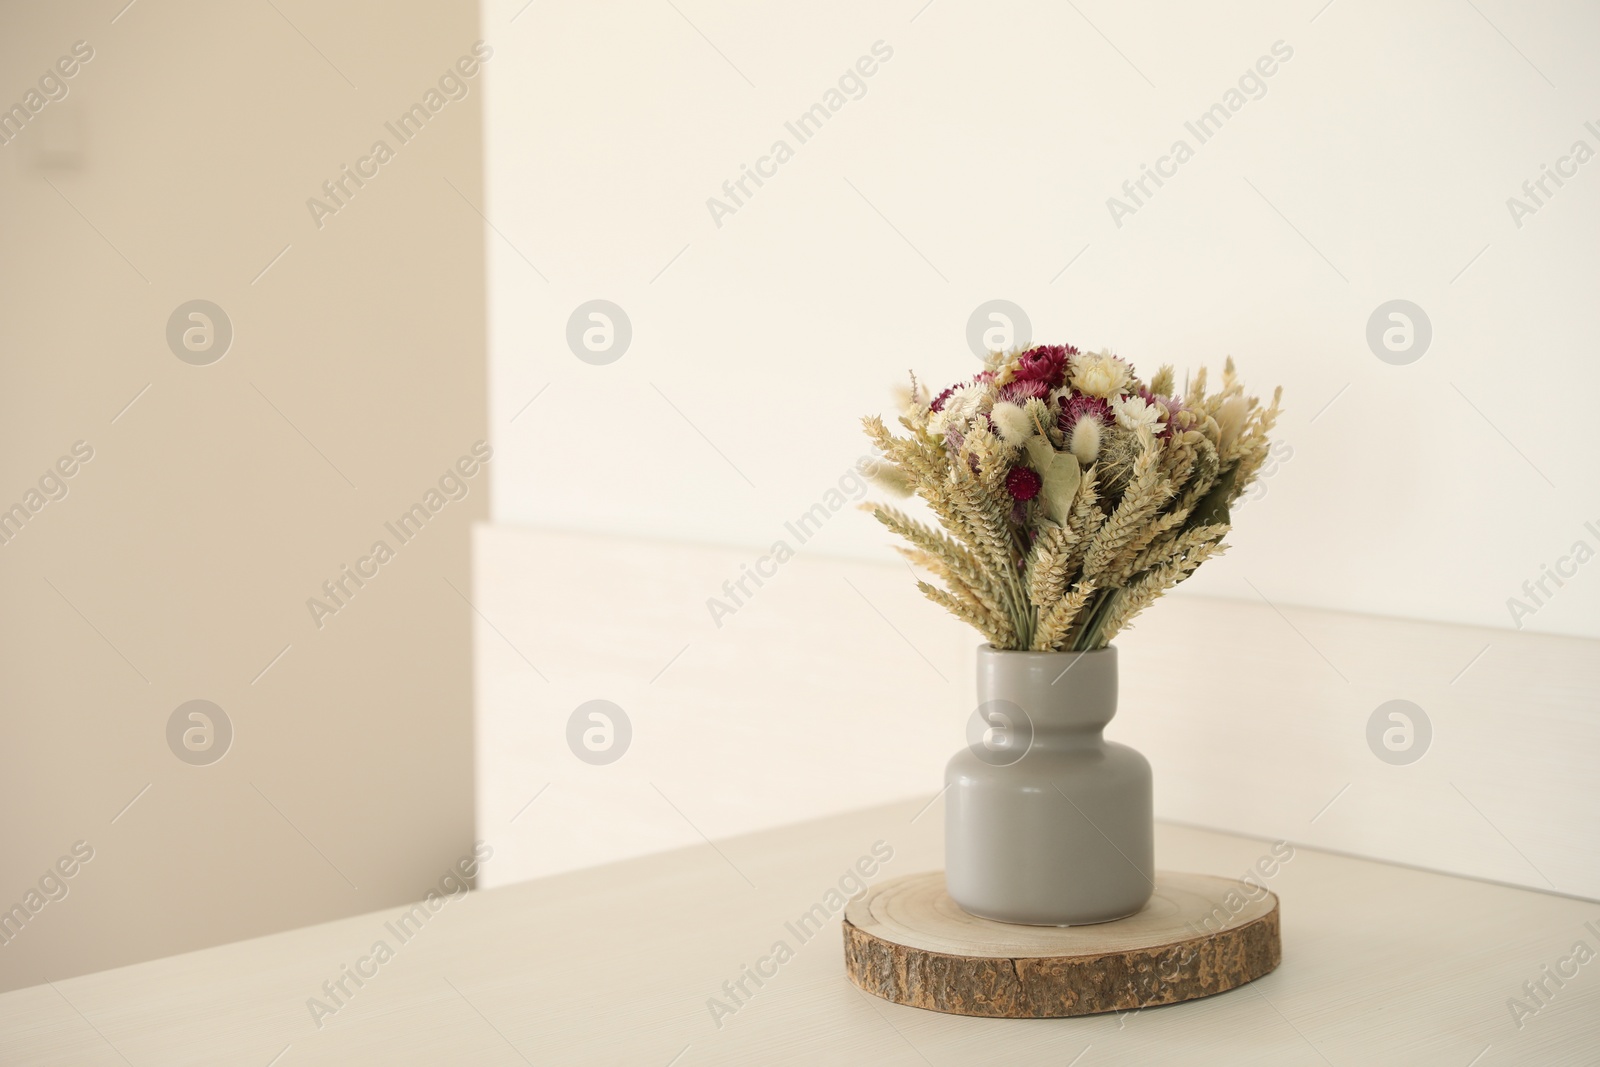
<point x="906" y="941"/>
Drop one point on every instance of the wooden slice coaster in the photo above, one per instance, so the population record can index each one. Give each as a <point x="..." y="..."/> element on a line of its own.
<point x="906" y="941"/>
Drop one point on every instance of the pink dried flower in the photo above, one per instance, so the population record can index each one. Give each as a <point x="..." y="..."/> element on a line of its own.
<point x="1079" y="405"/>
<point x="1021" y="390"/>
<point x="1023" y="483"/>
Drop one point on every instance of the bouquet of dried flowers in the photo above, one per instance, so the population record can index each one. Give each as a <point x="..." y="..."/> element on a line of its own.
<point x="1071" y="493"/>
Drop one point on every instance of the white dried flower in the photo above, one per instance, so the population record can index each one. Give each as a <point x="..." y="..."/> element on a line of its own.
<point x="967" y="401"/>
<point x="1100" y="374"/>
<point x="1134" y="412"/>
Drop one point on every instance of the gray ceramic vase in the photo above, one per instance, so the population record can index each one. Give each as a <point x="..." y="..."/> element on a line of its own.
<point x="1046" y="822"/>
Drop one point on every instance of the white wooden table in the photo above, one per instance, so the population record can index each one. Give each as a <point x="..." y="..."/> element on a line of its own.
<point x="618" y="964"/>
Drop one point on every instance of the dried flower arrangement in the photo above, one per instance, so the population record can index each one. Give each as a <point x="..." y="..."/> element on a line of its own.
<point x="1071" y="493"/>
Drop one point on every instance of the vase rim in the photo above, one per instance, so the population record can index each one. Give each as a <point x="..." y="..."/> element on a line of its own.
<point x="986" y="647"/>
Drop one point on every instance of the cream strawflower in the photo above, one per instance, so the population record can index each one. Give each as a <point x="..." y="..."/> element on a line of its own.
<point x="1099" y="374"/>
<point x="967" y="401"/>
<point x="1134" y="412"/>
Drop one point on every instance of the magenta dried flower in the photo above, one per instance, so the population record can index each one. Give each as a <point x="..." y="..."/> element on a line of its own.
<point x="1047" y="363"/>
<point x="1023" y="483"/>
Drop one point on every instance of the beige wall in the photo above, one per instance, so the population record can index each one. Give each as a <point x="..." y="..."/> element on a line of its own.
<point x="180" y="560"/>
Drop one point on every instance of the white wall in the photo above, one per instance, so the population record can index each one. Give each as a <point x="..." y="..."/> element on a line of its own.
<point x="1387" y="147"/>
<point x="835" y="688"/>
<point x="978" y="165"/>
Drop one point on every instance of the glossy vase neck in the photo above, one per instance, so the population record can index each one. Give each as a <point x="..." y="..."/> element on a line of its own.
<point x="1063" y="693"/>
